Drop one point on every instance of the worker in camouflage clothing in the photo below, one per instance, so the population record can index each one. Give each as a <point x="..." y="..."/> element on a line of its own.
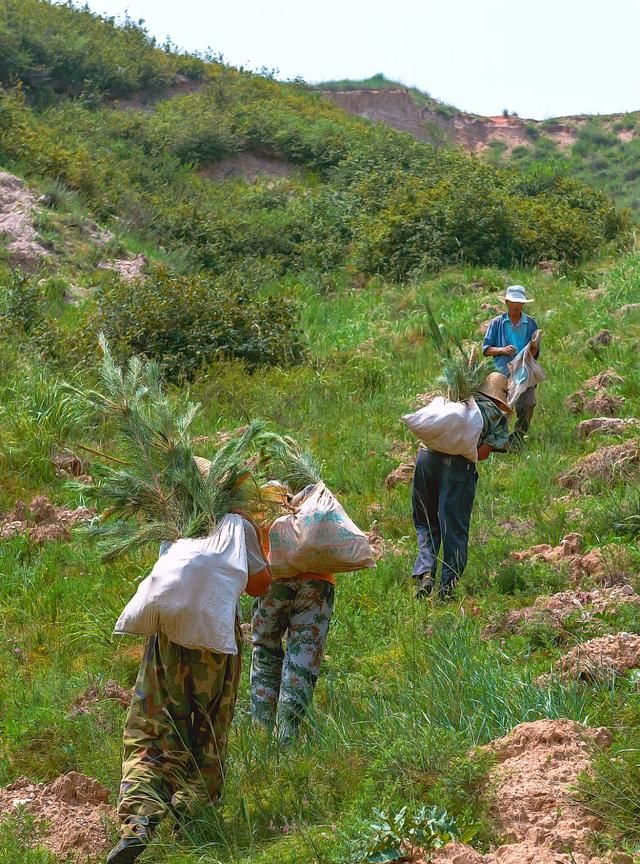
<point x="175" y="738"/>
<point x="283" y="678"/>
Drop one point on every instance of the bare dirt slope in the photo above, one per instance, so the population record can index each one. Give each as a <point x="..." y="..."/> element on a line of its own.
<point x="474" y="133"/>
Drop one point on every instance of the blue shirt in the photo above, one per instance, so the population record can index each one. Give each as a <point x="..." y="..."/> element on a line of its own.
<point x="501" y="332"/>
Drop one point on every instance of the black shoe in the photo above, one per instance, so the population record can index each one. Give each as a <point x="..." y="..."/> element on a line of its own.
<point x="425" y="586"/>
<point x="127" y="850"/>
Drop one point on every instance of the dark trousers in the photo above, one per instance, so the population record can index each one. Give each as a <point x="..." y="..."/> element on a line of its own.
<point x="443" y="491"/>
<point x="524" y="412"/>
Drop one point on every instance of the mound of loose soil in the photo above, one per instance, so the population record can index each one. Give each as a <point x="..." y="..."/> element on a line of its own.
<point x="606" y="426"/>
<point x="604" y="404"/>
<point x="627" y="308"/>
<point x="605" y="655"/>
<point x="606" y="463"/>
<point x="604" y="337"/>
<point x="402" y="474"/>
<point x="97" y="693"/>
<point x="68" y="463"/>
<point x="126" y="268"/>
<point x="17" y="205"/>
<point x="605" y="565"/>
<point x="601" y="403"/>
<point x="42" y="520"/>
<point x="72" y="812"/>
<point x="379" y="544"/>
<point x="517" y="527"/>
<point x="604" y="379"/>
<point x="538" y="764"/>
<point x="555" y="609"/>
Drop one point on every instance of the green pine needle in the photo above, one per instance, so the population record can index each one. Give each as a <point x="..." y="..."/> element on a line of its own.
<point x="155" y="490"/>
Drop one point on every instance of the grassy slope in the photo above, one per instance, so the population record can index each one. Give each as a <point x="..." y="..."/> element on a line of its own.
<point x="406" y="688"/>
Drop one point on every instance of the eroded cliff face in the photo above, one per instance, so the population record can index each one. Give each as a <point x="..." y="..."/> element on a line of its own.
<point x="474" y="133"/>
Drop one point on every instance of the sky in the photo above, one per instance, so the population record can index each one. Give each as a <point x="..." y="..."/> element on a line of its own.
<point x="539" y="58"/>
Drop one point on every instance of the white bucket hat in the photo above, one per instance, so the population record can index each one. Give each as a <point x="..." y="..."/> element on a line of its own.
<point x="517" y="294"/>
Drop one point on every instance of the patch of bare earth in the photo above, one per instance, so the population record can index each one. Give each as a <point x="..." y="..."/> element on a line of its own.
<point x="68" y="464"/>
<point x="126" y="268"/>
<point x="607" y="463"/>
<point x="628" y="308"/>
<point x="591" y="398"/>
<point x="605" y="566"/>
<point x="42" y="520"/>
<point x="604" y="379"/>
<point x="379" y="544"/>
<point x="556" y="608"/>
<point x="607" y="426"/>
<point x="402" y="474"/>
<point x="604" y="656"/>
<point x="517" y="527"/>
<point x="250" y="166"/>
<point x="72" y="813"/>
<point x="17" y="206"/>
<point x="96" y="693"/>
<point x="534" y="809"/>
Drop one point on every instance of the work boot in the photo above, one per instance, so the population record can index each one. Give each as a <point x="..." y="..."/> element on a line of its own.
<point x="425" y="586"/>
<point x="131" y="846"/>
<point x="126" y="851"/>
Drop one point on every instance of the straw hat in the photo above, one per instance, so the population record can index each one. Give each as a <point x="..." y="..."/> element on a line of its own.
<point x="517" y="294"/>
<point x="202" y="464"/>
<point x="496" y="388"/>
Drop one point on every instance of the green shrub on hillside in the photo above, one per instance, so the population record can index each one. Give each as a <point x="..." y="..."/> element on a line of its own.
<point x="485" y="218"/>
<point x="66" y="49"/>
<point x="599" y="158"/>
<point x="187" y="321"/>
<point x="368" y="194"/>
<point x="20" y="305"/>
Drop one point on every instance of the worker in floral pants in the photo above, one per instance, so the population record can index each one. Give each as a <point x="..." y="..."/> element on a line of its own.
<point x="283" y="679"/>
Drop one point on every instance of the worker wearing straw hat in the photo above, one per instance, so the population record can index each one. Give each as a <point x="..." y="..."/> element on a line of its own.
<point x="443" y="492"/>
<point x="506" y="336"/>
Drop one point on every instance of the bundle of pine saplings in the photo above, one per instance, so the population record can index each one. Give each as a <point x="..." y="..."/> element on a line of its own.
<point x="157" y="487"/>
<point x="462" y="373"/>
<point x="451" y="422"/>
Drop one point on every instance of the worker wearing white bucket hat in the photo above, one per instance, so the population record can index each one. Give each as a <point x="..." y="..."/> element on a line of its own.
<point x="506" y="336"/>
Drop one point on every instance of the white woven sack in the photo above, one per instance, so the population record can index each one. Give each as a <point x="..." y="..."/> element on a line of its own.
<point x="448" y="427"/>
<point x="318" y="538"/>
<point x="192" y="592"/>
<point x="524" y="372"/>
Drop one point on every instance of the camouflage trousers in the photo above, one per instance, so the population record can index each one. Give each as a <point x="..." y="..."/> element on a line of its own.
<point x="175" y="738"/>
<point x="282" y="681"/>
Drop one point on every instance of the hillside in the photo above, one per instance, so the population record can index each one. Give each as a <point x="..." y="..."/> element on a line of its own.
<point x="278" y="257"/>
<point x="602" y="150"/>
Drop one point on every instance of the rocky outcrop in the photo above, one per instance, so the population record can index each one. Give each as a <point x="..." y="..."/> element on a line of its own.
<point x="17" y="231"/>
